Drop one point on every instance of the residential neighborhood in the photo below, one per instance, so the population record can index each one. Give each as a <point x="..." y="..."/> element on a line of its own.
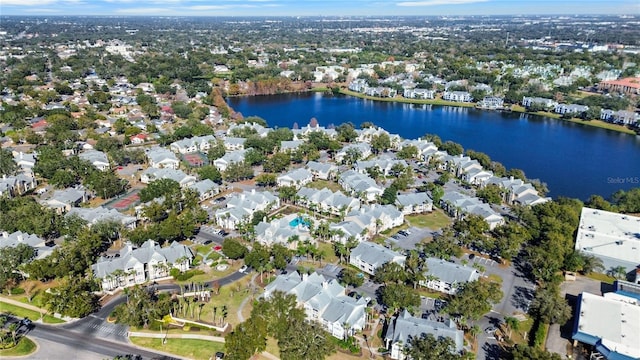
<point x="138" y="206"/>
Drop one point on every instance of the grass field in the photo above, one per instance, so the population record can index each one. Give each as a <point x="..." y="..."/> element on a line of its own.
<point x="189" y="348"/>
<point x="321" y="184"/>
<point x="434" y="221"/>
<point x="22" y="313"/>
<point x="602" y="277"/>
<point x="25" y="347"/>
<point x="329" y="254"/>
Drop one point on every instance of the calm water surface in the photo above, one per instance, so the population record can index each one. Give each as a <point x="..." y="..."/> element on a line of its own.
<point x="574" y="160"/>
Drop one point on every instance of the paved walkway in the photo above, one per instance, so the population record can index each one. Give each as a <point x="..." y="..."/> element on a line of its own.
<point x="22" y="305"/>
<point x="244" y="302"/>
<point x="176" y="336"/>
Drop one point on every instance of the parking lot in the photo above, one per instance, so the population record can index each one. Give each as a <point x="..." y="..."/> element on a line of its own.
<point x="408" y="241"/>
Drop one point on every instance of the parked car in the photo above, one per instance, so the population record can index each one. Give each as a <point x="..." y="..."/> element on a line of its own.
<point x="243" y="269"/>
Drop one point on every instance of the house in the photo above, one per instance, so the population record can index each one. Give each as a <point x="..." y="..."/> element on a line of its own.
<point x="570" y="109"/>
<point x="619" y="117"/>
<point x="259" y="129"/>
<point x="491" y="102"/>
<point x="609" y="325"/>
<point x="404" y="326"/>
<point x="63" y="200"/>
<point x="327" y="201"/>
<point x="19" y="184"/>
<point x="100" y="214"/>
<point x="376" y="218"/>
<point x="628" y="86"/>
<point x="458" y="205"/>
<point x="234" y="143"/>
<point x="546" y="103"/>
<point x="97" y="158"/>
<point x="150" y="175"/>
<point x="25" y="161"/>
<point x="241" y="207"/>
<point x="313" y="126"/>
<point x="323" y="171"/>
<point x="414" y="203"/>
<point x="18" y="237"/>
<point x="384" y="165"/>
<point x="194" y="144"/>
<point x="457" y="96"/>
<point x="368" y="256"/>
<point x="447" y="277"/>
<point x="162" y="158"/>
<point x="292" y="145"/>
<point x="324" y="301"/>
<point x="206" y="189"/>
<point x="232" y="157"/>
<point x="360" y="185"/>
<point x="613" y="238"/>
<point x="345" y="231"/>
<point x="138" y="139"/>
<point x="134" y="266"/>
<point x="516" y="191"/>
<point x="419" y="94"/>
<point x="361" y="149"/>
<point x="283" y="231"/>
<point x="296" y="178"/>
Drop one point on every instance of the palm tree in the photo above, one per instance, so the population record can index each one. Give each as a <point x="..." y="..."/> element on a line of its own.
<point x="618" y="272"/>
<point x="13" y="328"/>
<point x="512" y="324"/>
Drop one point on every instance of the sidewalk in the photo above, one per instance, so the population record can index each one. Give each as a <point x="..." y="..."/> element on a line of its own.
<point x="22" y="305"/>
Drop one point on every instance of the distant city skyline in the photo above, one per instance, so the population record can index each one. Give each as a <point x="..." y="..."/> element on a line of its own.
<point x="317" y="7"/>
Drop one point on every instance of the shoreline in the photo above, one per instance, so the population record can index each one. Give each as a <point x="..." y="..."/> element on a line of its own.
<point x="515" y="108"/>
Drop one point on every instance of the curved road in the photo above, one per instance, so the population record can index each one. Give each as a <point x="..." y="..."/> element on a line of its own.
<point x="94" y="334"/>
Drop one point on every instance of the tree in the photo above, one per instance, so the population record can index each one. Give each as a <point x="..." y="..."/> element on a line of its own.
<point x="548" y="306"/>
<point x="7" y="165"/>
<point x="143" y="306"/>
<point x="305" y="341"/>
<point x="427" y="347"/>
<point x="11" y="258"/>
<point x="210" y="172"/>
<point x="281" y="256"/>
<point x="234" y="249"/>
<point x="408" y="152"/>
<point x="415" y="268"/>
<point x="399" y="296"/>
<point x="474" y="299"/>
<point x="346" y="132"/>
<point x="74" y="298"/>
<point x="380" y="142"/>
<point x="512" y="323"/>
<point x="452" y="148"/>
<point x="524" y="352"/>
<point x="287" y="193"/>
<point x="390" y="272"/>
<point x="389" y="195"/>
<point x="266" y="179"/>
<point x="216" y="151"/>
<point x="491" y="194"/>
<point x="351" y="277"/>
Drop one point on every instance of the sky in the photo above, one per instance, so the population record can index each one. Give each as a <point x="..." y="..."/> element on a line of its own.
<point x="316" y="7"/>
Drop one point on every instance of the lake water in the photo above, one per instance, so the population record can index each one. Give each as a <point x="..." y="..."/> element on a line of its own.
<point x="574" y="160"/>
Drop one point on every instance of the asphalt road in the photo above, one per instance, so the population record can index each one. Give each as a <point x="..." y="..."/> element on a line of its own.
<point x="93" y="337"/>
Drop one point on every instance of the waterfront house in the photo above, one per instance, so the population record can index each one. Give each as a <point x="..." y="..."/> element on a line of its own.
<point x="546" y="103"/>
<point x="570" y="109"/>
<point x="457" y="96"/>
<point x="491" y="102"/>
<point x="419" y="94"/>
<point x="458" y="205"/>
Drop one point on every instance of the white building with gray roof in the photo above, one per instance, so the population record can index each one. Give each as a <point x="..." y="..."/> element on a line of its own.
<point x="241" y="207"/>
<point x="18" y="237"/>
<point x="323" y="171"/>
<point x="447" y="277"/>
<point x="99" y="214"/>
<point x="138" y="265"/>
<point x="206" y="189"/>
<point x="612" y="237"/>
<point x="324" y="301"/>
<point x="296" y="178"/>
<point x="609" y="324"/>
<point x="368" y="256"/>
<point x="376" y="218"/>
<point x="360" y="185"/>
<point x="162" y="158"/>
<point x="97" y="158"/>
<point x="458" y="205"/>
<point x="404" y="326"/>
<point x="194" y="144"/>
<point x="231" y="157"/>
<point x="290" y="145"/>
<point x="151" y="174"/>
<point x="414" y="203"/>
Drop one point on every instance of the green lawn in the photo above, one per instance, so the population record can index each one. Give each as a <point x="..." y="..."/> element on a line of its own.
<point x="601" y="277"/>
<point x="189" y="348"/>
<point x="321" y="184"/>
<point x="329" y="254"/>
<point x="25" y="347"/>
<point x="22" y="312"/>
<point x="434" y="221"/>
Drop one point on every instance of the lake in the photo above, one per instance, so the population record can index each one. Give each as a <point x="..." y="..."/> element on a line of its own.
<point x="574" y="160"/>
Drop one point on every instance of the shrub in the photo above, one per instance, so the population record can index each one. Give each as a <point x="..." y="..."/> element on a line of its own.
<point x="17" y="291"/>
